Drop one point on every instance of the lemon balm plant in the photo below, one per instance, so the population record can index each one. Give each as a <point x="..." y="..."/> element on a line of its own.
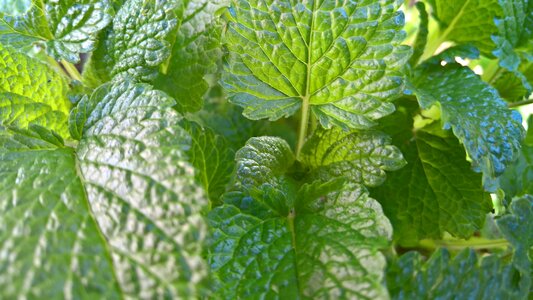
<point x="271" y="149"/>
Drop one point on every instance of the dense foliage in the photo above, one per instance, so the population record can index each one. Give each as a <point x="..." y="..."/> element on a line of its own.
<point x="273" y="149"/>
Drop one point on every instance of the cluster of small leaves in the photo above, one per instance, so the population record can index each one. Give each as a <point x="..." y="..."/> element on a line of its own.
<point x="173" y="167"/>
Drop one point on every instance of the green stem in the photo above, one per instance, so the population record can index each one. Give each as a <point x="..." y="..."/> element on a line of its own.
<point x="520" y="103"/>
<point x="304" y="123"/>
<point x="491" y="72"/>
<point x="462" y="244"/>
<point x="435" y="43"/>
<point x="71" y="70"/>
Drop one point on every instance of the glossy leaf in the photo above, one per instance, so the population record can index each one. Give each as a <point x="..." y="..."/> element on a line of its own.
<point x="363" y="156"/>
<point x="67" y="27"/>
<point x="490" y="132"/>
<point x="278" y="244"/>
<point x="97" y="221"/>
<point x="442" y="277"/>
<point x="514" y="32"/>
<point x="140" y="41"/>
<point x="342" y="58"/>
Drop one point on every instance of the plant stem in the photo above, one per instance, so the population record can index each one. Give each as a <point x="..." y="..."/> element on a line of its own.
<point x="461" y="244"/>
<point x="435" y="42"/>
<point x="71" y="70"/>
<point x="491" y="72"/>
<point x="520" y="103"/>
<point x="304" y="123"/>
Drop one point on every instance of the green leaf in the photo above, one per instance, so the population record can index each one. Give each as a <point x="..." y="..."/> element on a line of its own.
<point x="463" y="277"/>
<point x="513" y="86"/>
<point x="142" y="41"/>
<point x="287" y="242"/>
<point x="67" y="27"/>
<point x="517" y="228"/>
<point x="436" y="192"/>
<point x="518" y="177"/>
<point x="20" y="111"/>
<point x="490" y="132"/>
<point x="363" y="157"/>
<point x="422" y="34"/>
<point x="513" y="32"/>
<point x="212" y="157"/>
<point x="342" y="59"/>
<point x="467" y="22"/>
<point x="96" y="221"/>
<point x="196" y="53"/>
<point x="27" y="82"/>
<point x="14" y="7"/>
<point x="74" y="26"/>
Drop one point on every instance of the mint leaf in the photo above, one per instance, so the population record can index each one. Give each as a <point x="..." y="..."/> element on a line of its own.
<point x="212" y="157"/>
<point x="467" y="22"/>
<point x="74" y="26"/>
<point x="363" y="156"/>
<point x="514" y="32"/>
<point x="195" y="53"/>
<point x="14" y="7"/>
<point x="123" y="204"/>
<point x="517" y="228"/>
<point x="422" y="34"/>
<point x="141" y="41"/>
<point x="21" y="112"/>
<point x="37" y="81"/>
<point x="490" y="132"/>
<point x="518" y="177"/>
<point x="463" y="277"/>
<point x="436" y="192"/>
<point x="341" y="59"/>
<point x="279" y="242"/>
<point x="68" y="27"/>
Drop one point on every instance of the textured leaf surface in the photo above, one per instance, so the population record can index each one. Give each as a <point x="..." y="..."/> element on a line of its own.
<point x="517" y="228"/>
<point x="141" y="41"/>
<point x="118" y="217"/>
<point x="514" y="31"/>
<point x="75" y="26"/>
<point x="518" y="177"/>
<point x="212" y="157"/>
<point x="20" y="111"/>
<point x="470" y="21"/>
<point x="14" y="7"/>
<point x="490" y="132"/>
<point x="194" y="54"/>
<point x="67" y="27"/>
<point x="28" y="77"/>
<point x="295" y="247"/>
<point x="463" y="277"/>
<point x="363" y="156"/>
<point x="341" y="57"/>
<point x="436" y="192"/>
